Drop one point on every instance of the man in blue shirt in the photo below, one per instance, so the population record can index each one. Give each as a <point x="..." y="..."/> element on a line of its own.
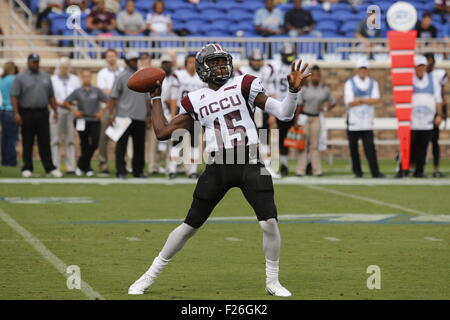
<point x="9" y="130"/>
<point x="269" y="21"/>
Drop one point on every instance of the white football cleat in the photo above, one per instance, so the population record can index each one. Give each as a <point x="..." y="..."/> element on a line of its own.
<point x="78" y="172"/>
<point x="56" y="173"/>
<point x="27" y="174"/>
<point x="141" y="284"/>
<point x="277" y="290"/>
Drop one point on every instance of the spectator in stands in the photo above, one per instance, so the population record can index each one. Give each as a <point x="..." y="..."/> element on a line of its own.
<point x="105" y="81"/>
<point x="268" y="21"/>
<point x="88" y="114"/>
<point x="46" y="7"/>
<point x="64" y="83"/>
<point x="442" y="7"/>
<point x="425" y="28"/>
<point x="31" y="93"/>
<point x="367" y="29"/>
<point x="426" y="112"/>
<point x="82" y="4"/>
<point x="101" y="20"/>
<point x="110" y="5"/>
<point x="313" y="99"/>
<point x="361" y="93"/>
<point x="440" y="76"/>
<point x="10" y="131"/>
<point x="129" y="21"/>
<point x="299" y="21"/>
<point x="126" y="103"/>
<point x="159" y="23"/>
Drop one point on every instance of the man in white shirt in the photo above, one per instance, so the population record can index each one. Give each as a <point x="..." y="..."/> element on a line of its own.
<point x="361" y="93"/>
<point x="426" y="112"/>
<point x="439" y="75"/>
<point x="105" y="81"/>
<point x="155" y="150"/>
<point x="64" y="83"/>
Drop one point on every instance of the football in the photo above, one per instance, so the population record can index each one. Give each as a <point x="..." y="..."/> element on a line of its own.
<point x="144" y="80"/>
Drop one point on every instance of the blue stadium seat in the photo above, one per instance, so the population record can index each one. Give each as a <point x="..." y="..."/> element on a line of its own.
<point x="349" y="26"/>
<point x="203" y="5"/>
<point x="178" y="25"/>
<point x="187" y="15"/>
<point x="217" y="33"/>
<point x="330" y="34"/>
<point x="213" y="12"/>
<point x="194" y="26"/>
<point x="145" y="7"/>
<point x="244" y="26"/>
<point x="57" y="22"/>
<point x="240" y="14"/>
<point x="327" y="26"/>
<point x="252" y="5"/>
<point x="321" y="15"/>
<point x="341" y="7"/>
<point x="345" y="17"/>
<point x="179" y="5"/>
<point x="285" y="6"/>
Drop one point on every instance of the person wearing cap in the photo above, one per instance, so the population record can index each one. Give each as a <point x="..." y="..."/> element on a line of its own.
<point x="136" y="106"/>
<point x="31" y="93"/>
<point x="313" y="99"/>
<point x="426" y="112"/>
<point x="105" y="80"/>
<point x="155" y="150"/>
<point x="84" y="103"/>
<point x="360" y="95"/>
<point x="64" y="83"/>
<point x="439" y="75"/>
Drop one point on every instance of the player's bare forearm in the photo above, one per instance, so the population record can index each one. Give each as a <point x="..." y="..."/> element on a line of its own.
<point x="164" y="129"/>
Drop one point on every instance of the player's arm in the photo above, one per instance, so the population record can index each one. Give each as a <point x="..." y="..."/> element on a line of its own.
<point x="164" y="129"/>
<point x="284" y="110"/>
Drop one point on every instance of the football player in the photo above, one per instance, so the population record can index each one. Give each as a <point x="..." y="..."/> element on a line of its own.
<point x="225" y="110"/>
<point x="288" y="55"/>
<point x="184" y="81"/>
<point x="256" y="67"/>
<point x="441" y="77"/>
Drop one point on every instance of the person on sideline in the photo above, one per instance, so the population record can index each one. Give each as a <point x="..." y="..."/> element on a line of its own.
<point x="361" y="93"/>
<point x="312" y="100"/>
<point x="64" y="83"/>
<point x="31" y="93"/>
<point x="105" y="80"/>
<point x="88" y="114"/>
<point x="9" y="131"/>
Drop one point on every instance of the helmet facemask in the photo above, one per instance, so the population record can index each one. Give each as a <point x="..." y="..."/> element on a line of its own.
<point x="217" y="73"/>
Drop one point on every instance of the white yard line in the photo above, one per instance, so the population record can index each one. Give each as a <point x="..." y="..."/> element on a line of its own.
<point x="336" y="180"/>
<point x="47" y="254"/>
<point x="371" y="200"/>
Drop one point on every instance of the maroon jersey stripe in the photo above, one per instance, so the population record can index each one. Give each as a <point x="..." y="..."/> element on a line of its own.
<point x="186" y="104"/>
<point x="246" y="85"/>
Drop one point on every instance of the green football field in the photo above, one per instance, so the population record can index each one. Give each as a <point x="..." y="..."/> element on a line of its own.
<point x="331" y="233"/>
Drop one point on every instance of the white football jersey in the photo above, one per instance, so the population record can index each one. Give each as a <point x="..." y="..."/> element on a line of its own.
<point x="280" y="81"/>
<point x="166" y="95"/>
<point x="226" y="114"/>
<point x="265" y="73"/>
<point x="182" y="83"/>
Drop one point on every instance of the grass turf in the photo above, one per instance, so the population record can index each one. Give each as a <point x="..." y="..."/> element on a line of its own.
<point x="212" y="267"/>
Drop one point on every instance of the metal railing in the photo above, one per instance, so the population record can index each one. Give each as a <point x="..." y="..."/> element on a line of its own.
<point x="28" y="15"/>
<point x="83" y="46"/>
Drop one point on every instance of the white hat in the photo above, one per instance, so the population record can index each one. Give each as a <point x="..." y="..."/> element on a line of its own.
<point x="132" y="55"/>
<point x="165" y="58"/>
<point x="362" y="63"/>
<point x="419" y="60"/>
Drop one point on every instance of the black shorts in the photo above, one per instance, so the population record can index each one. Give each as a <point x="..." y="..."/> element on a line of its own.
<point x="217" y="179"/>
